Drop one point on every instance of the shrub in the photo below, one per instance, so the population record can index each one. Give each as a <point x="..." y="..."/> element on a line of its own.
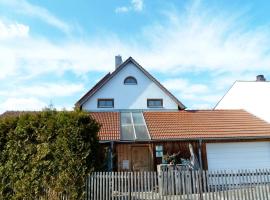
<point x="48" y="149"/>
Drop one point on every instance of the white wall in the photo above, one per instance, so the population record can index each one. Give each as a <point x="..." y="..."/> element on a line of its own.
<point x="129" y="96"/>
<point x="253" y="97"/>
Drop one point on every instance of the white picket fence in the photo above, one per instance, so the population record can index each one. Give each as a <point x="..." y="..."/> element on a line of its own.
<point x="182" y="185"/>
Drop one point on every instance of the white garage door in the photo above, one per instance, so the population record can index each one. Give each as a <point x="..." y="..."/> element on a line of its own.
<point x="238" y="155"/>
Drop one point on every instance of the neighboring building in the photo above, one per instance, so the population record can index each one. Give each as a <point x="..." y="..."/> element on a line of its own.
<point x="252" y="96"/>
<point x="141" y="121"/>
<point x="130" y="86"/>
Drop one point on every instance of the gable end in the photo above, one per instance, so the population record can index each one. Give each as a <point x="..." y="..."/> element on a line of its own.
<point x="109" y="76"/>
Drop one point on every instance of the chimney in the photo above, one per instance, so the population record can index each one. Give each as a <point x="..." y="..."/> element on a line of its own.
<point x="118" y="61"/>
<point x="260" y="78"/>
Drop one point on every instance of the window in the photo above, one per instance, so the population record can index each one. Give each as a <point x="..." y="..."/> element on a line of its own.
<point x="105" y="103"/>
<point x="154" y="103"/>
<point x="159" y="151"/>
<point x="133" y="126"/>
<point x="130" y="81"/>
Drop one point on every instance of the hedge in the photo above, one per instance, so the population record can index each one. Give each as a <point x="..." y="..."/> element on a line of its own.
<point x="48" y="149"/>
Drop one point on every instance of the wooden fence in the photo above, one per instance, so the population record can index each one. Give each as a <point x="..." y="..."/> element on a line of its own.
<point x="182" y="185"/>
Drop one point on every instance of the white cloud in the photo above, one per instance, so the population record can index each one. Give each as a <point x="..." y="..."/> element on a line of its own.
<point x="122" y="9"/>
<point x="26" y="8"/>
<point x="22" y="104"/>
<point x="201" y="96"/>
<point x="135" y="5"/>
<point x="34" y="97"/>
<point x="30" y="57"/>
<point x="191" y="41"/>
<point x="185" y="86"/>
<point x="210" y="98"/>
<point x="44" y="90"/>
<point x="203" y="106"/>
<point x="200" y="39"/>
<point x="13" y="30"/>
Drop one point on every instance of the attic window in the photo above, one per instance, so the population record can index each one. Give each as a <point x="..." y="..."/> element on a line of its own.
<point x="130" y="80"/>
<point x="154" y="103"/>
<point x="105" y="103"/>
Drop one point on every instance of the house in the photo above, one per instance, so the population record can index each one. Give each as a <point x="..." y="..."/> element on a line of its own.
<point x="252" y="96"/>
<point x="142" y="121"/>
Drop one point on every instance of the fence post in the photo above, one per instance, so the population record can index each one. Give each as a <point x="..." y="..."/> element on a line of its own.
<point x="129" y="186"/>
<point x="200" y="180"/>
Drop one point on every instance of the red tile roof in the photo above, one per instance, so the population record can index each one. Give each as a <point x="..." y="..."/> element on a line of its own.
<point x="110" y="125"/>
<point x="205" y="124"/>
<point x="189" y="124"/>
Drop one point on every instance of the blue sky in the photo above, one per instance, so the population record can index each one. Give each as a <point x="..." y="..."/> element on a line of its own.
<point x="52" y="52"/>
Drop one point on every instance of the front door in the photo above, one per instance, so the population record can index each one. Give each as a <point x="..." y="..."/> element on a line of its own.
<point x="141" y="158"/>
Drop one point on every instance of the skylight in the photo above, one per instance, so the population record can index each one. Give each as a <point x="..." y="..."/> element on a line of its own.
<point x="133" y="126"/>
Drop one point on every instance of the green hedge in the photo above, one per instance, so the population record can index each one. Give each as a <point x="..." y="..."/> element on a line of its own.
<point x="47" y="149"/>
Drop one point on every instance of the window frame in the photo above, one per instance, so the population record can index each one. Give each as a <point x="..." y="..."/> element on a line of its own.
<point x="148" y="100"/>
<point x="130" y="77"/>
<point x="105" y="99"/>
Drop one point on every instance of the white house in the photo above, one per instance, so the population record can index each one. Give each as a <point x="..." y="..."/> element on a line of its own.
<point x="252" y="96"/>
<point x="129" y="86"/>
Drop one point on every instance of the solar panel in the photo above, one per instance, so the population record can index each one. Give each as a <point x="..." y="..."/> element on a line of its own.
<point x="133" y="126"/>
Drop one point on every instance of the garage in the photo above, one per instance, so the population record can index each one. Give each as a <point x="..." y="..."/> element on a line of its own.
<point x="238" y="155"/>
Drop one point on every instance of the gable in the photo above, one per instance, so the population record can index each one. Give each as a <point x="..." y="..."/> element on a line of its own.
<point x="129" y="96"/>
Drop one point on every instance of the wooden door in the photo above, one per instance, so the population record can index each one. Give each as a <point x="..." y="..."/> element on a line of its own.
<point x="141" y="158"/>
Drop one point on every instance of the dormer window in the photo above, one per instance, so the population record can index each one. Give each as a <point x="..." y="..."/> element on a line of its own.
<point x="130" y="80"/>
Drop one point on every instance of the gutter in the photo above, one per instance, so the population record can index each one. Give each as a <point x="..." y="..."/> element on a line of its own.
<point x="185" y="139"/>
<point x="213" y="138"/>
